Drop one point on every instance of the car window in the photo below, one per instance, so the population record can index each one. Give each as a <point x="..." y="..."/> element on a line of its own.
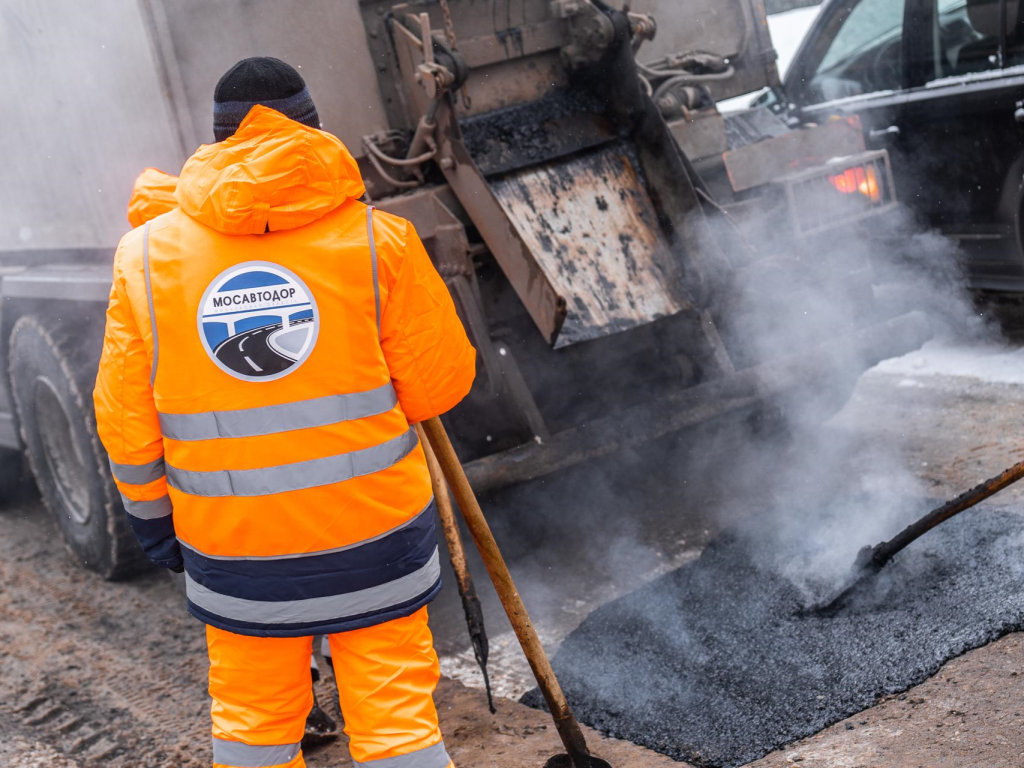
<point x="864" y="54"/>
<point x="967" y="36"/>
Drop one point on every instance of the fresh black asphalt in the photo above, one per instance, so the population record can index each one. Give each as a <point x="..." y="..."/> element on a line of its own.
<point x="711" y="663"/>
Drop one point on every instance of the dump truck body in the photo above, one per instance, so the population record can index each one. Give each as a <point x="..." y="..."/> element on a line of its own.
<point x="542" y="165"/>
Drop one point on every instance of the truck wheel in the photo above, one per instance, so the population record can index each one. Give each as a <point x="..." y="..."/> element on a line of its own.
<point x="51" y="377"/>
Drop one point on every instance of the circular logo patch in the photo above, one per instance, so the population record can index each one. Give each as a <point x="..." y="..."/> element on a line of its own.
<point x="258" y="321"/>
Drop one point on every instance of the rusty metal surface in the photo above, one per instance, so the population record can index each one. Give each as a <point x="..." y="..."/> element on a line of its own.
<point x="771" y="159"/>
<point x="546" y="307"/>
<point x="508" y="83"/>
<point x="429" y="210"/>
<point x="701" y="134"/>
<point x="511" y="46"/>
<point x="580" y="239"/>
<point x="593" y="230"/>
<point x="493" y="47"/>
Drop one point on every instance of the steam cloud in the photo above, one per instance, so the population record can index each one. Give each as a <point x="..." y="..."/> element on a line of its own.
<point x="804" y="493"/>
<point x="809" y="496"/>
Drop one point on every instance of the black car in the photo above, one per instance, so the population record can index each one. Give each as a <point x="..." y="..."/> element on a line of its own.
<point x="940" y="84"/>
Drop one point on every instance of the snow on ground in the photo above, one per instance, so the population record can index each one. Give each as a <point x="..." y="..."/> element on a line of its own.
<point x="787" y="31"/>
<point x="991" y="364"/>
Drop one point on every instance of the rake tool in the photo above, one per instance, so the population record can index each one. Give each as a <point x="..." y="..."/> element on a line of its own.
<point x="577" y="754"/>
<point x="467" y="590"/>
<point x="871" y="560"/>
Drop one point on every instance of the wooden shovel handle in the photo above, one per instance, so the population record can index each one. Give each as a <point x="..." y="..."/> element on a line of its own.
<point x="451" y="467"/>
<point x="885" y="551"/>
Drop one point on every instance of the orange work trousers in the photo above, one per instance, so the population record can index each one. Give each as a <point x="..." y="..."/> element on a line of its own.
<point x="387" y="673"/>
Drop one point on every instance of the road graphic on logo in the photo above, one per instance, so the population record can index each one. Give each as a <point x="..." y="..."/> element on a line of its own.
<point x="258" y="321"/>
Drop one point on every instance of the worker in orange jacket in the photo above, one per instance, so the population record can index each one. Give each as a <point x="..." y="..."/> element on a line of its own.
<point x="153" y="195"/>
<point x="268" y="345"/>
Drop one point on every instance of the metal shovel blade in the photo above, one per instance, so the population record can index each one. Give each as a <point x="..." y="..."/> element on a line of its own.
<point x="564" y="761"/>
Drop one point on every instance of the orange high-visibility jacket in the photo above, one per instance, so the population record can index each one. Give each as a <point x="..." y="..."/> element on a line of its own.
<point x="268" y="345"/>
<point x="152" y="195"/>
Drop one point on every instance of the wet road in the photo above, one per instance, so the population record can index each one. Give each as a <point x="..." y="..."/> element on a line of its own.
<point x="110" y="671"/>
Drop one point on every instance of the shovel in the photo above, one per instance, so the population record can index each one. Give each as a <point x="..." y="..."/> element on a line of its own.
<point x="578" y="755"/>
<point x="457" y="552"/>
<point x="871" y="560"/>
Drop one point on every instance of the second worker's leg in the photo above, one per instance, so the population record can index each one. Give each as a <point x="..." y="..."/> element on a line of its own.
<point x="261" y="695"/>
<point x="386" y="679"/>
<point x="319" y="725"/>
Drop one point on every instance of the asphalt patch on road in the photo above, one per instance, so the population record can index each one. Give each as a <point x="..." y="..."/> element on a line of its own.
<point x="712" y="665"/>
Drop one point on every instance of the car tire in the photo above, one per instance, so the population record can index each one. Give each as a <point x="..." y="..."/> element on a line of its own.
<point x="52" y="371"/>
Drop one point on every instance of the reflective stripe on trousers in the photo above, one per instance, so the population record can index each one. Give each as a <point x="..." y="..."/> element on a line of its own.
<point x="431" y="757"/>
<point x="238" y="755"/>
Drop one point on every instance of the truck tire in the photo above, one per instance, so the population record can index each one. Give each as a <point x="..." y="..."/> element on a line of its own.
<point x="52" y="371"/>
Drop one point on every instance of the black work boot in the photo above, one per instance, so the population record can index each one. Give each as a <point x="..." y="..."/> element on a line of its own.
<point x="319" y="725"/>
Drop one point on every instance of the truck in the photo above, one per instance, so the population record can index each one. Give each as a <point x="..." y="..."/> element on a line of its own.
<point x="596" y="218"/>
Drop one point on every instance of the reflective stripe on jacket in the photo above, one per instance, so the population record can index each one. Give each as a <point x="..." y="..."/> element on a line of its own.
<point x="268" y="346"/>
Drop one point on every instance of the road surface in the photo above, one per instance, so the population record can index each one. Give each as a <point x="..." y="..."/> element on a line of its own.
<point x="112" y="674"/>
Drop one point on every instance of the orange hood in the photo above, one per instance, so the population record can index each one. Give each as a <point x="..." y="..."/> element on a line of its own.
<point x="274" y="173"/>
<point x="152" y="195"/>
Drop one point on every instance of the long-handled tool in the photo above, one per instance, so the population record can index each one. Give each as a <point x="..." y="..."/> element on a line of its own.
<point x="578" y="755"/>
<point x="871" y="560"/>
<point x="467" y="590"/>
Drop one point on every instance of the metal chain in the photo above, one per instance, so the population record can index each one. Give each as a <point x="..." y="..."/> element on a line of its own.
<point x="453" y="43"/>
<point x="449" y="27"/>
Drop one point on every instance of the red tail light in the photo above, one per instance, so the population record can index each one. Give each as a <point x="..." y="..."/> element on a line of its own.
<point x="860" y="180"/>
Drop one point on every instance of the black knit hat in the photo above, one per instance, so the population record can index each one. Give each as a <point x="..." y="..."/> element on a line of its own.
<point x="260" y="80"/>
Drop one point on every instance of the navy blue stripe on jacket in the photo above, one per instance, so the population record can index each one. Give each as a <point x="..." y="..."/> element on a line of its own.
<point x="305" y="629"/>
<point x="296" y="578"/>
<point x="378" y="580"/>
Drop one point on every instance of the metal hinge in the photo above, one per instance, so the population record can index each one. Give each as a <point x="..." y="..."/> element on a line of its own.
<point x="766" y="57"/>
